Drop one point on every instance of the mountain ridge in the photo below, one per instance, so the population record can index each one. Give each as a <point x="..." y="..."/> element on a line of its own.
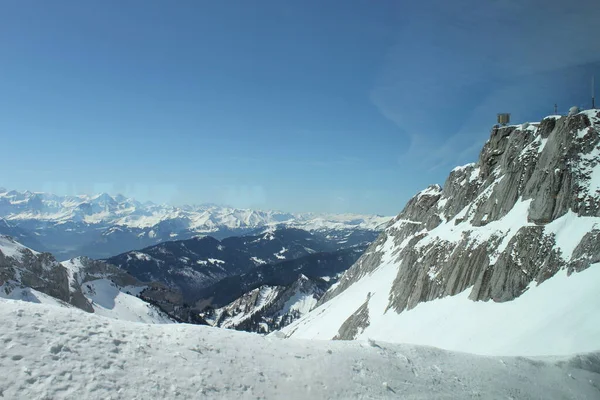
<point x="499" y="228"/>
<point x="102" y="226"/>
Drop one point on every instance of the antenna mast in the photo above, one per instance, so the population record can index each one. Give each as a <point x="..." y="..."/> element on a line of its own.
<point x="593" y="94"/>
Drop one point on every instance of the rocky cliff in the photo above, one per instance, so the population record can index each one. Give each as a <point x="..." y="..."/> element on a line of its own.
<point x="528" y="208"/>
<point x="93" y="286"/>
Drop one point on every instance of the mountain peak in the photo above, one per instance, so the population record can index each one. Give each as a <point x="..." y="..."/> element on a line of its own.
<point x="500" y="228"/>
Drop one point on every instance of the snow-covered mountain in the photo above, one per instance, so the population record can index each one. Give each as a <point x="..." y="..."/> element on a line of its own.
<point x="101" y="226"/>
<point x="206" y="268"/>
<point x="83" y="283"/>
<point x="504" y="259"/>
<point x="268" y="307"/>
<point x="272" y="296"/>
<point x="54" y="353"/>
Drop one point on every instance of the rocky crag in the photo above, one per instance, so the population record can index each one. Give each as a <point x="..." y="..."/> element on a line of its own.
<point x="529" y="207"/>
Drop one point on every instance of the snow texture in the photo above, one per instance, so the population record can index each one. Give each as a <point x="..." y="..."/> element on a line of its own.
<point x="10" y="248"/>
<point x="58" y="353"/>
<point x="110" y="301"/>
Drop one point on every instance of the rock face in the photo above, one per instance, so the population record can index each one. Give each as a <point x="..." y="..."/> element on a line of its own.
<point x="22" y="269"/>
<point x="21" y="266"/>
<point x="529" y="207"/>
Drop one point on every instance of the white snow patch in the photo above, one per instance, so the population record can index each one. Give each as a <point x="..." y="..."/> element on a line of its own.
<point x="257" y="261"/>
<point x="14" y="291"/>
<point x="569" y="230"/>
<point x="463" y="167"/>
<point x="58" y="353"/>
<point x="109" y="301"/>
<point x="432" y="190"/>
<point x="141" y="256"/>
<point x="300" y="302"/>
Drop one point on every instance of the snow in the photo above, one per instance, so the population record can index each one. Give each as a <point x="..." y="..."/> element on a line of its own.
<point x="594" y="183"/>
<point x="141" y="256"/>
<point x="264" y="296"/>
<point x="280" y="255"/>
<point x="73" y="267"/>
<point x="569" y="230"/>
<point x="474" y="174"/>
<point x="258" y="261"/>
<point x="431" y="273"/>
<point x="126" y="212"/>
<point x="14" y="291"/>
<point x="560" y="316"/>
<point x="432" y="190"/>
<point x="463" y="167"/>
<point x="11" y="248"/>
<point x="324" y="321"/>
<point x="300" y="302"/>
<point x="215" y="261"/>
<point x="57" y="353"/>
<point x="108" y="301"/>
<point x="505" y="227"/>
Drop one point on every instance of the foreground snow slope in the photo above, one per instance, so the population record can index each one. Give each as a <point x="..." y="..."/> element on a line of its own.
<point x="59" y="353"/>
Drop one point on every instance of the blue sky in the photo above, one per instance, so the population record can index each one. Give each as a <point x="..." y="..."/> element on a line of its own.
<point x="337" y="106"/>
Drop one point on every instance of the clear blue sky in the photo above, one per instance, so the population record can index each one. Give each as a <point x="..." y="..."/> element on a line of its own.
<point x="336" y="106"/>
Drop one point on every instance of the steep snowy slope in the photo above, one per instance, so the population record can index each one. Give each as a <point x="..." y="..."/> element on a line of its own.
<point x="89" y="285"/>
<point x="56" y="353"/>
<point x="510" y="228"/>
<point x="110" y="300"/>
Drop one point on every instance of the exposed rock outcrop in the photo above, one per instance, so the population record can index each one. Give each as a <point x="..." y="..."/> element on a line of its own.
<point x="498" y="225"/>
<point x="22" y="269"/>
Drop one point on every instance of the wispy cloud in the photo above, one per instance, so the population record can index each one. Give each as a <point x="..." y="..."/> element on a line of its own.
<point x="451" y="70"/>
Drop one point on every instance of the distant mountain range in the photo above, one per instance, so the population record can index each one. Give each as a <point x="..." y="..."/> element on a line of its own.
<point x="102" y="226"/>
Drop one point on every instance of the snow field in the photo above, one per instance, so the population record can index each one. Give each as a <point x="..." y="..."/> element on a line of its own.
<point x="59" y="353"/>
